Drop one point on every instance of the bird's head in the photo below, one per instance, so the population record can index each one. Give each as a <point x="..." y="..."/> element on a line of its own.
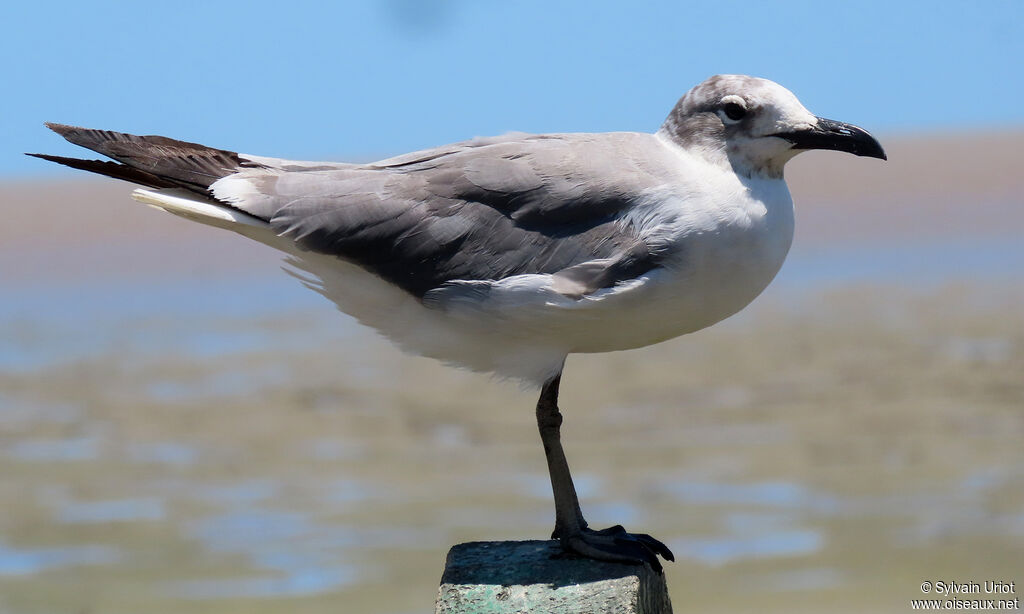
<point x="757" y="125"/>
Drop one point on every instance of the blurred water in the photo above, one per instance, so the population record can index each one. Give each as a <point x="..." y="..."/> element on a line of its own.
<point x="117" y="510"/>
<point x="767" y="494"/>
<point x="42" y="325"/>
<point x="730" y="548"/>
<point x="299" y="579"/>
<point x="26" y="561"/>
<point x="46" y="450"/>
<point x="296" y="555"/>
<point x="164" y="453"/>
<point x="913" y="263"/>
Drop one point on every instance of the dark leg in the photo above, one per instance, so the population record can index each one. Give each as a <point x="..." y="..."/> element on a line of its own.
<point x="613" y="544"/>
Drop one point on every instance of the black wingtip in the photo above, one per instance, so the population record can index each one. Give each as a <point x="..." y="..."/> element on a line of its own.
<point x="57" y="159"/>
<point x="110" y="169"/>
<point x="86" y="137"/>
<point x="150" y="160"/>
<point x="61" y="129"/>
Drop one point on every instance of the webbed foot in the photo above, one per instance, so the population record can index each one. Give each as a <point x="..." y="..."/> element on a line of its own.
<point x="615" y="544"/>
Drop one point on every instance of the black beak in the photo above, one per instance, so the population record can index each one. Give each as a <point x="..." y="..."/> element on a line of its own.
<point x="828" y="134"/>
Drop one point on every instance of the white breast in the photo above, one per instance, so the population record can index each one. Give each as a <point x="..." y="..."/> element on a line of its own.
<point x="730" y="237"/>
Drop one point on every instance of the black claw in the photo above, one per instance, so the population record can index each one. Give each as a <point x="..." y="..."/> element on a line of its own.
<point x="656" y="565"/>
<point x="656" y="545"/>
<point x="640" y="551"/>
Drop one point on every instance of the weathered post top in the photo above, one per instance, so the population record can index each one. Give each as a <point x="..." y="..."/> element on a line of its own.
<point x="537" y="576"/>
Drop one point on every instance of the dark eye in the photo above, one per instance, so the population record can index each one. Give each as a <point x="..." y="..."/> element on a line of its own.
<point x="734" y="111"/>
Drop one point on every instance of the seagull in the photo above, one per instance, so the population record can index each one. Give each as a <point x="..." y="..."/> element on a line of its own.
<point x="506" y="254"/>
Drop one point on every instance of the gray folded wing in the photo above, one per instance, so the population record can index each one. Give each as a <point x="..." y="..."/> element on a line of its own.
<point x="476" y="211"/>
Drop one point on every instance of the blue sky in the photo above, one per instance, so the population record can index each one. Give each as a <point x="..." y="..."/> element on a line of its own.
<point x="363" y="79"/>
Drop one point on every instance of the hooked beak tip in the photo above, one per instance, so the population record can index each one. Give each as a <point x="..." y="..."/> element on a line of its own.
<point x="837" y="136"/>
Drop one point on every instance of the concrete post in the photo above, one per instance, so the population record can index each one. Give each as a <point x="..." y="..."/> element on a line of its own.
<point x="538" y="577"/>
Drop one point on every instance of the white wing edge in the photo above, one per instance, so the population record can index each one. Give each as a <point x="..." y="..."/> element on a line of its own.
<point x="197" y="210"/>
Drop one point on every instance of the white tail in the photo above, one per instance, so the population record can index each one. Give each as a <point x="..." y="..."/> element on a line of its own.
<point x="185" y="204"/>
